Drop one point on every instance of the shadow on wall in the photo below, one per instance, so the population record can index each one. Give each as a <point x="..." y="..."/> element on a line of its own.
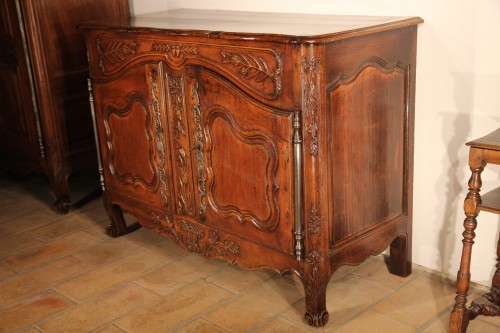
<point x="456" y="128"/>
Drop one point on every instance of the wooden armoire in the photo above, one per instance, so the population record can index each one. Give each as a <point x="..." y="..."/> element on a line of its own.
<point x="45" y="121"/>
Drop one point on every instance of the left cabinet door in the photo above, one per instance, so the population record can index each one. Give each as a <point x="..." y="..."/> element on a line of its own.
<point x="19" y="140"/>
<point x="131" y="118"/>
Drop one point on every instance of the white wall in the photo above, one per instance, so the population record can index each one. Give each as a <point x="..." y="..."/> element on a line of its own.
<point x="458" y="85"/>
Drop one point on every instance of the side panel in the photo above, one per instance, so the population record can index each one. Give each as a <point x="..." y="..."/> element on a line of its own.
<point x="367" y="150"/>
<point x="370" y="108"/>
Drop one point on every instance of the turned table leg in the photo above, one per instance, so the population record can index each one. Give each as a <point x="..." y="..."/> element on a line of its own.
<point x="459" y="318"/>
<point x="489" y="304"/>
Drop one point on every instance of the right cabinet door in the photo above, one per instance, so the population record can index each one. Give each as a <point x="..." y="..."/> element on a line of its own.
<point x="243" y="162"/>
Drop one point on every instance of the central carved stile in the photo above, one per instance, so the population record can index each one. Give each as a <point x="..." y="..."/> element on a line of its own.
<point x="198" y="146"/>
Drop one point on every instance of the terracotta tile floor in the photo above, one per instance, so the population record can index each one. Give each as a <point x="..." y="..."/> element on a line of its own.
<point x="61" y="273"/>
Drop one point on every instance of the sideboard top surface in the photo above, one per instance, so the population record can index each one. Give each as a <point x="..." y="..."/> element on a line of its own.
<point x="254" y="25"/>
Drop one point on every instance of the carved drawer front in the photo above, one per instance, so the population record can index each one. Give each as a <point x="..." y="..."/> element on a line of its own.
<point x="134" y="144"/>
<point x="243" y="156"/>
<point x="257" y="70"/>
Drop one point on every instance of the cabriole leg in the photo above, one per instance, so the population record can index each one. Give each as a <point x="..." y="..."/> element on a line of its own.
<point x="118" y="226"/>
<point x="315" y="282"/>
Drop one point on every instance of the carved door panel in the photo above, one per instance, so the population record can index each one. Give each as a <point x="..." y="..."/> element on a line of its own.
<point x="18" y="126"/>
<point x="131" y="120"/>
<point x="244" y="162"/>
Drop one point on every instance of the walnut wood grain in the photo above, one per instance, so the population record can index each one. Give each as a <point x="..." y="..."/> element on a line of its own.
<point x="272" y="151"/>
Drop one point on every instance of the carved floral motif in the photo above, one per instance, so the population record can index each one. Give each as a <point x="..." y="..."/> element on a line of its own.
<point x="310" y="67"/>
<point x="155" y="104"/>
<point x="194" y="238"/>
<point x="314" y="221"/>
<point x="198" y="145"/>
<point x="185" y="201"/>
<point x="176" y="51"/>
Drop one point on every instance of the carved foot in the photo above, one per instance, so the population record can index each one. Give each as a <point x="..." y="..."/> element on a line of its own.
<point x="114" y="231"/>
<point x="315" y="281"/>
<point x="63" y="206"/>
<point x="317" y="319"/>
<point x="118" y="226"/>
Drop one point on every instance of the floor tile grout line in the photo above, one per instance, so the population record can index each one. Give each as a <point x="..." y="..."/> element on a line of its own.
<point x="273" y="317"/>
<point x="201" y="315"/>
<point x="89" y="300"/>
<point x="434" y="319"/>
<point x="51" y="286"/>
<point x="396" y="319"/>
<point x="115" y="323"/>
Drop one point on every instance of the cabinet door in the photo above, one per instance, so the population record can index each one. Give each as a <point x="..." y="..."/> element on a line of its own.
<point x="18" y="129"/>
<point x="244" y="162"/>
<point x="132" y="128"/>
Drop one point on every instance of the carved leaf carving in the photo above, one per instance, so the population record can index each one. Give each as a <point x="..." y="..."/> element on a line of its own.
<point x="310" y="96"/>
<point x="114" y="52"/>
<point x="253" y="67"/>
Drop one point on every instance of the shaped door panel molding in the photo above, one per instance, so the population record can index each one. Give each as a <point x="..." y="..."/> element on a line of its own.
<point x="247" y="162"/>
<point x="132" y="110"/>
<point x="253" y="173"/>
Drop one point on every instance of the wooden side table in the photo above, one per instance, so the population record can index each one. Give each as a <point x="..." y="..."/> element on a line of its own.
<point x="482" y="151"/>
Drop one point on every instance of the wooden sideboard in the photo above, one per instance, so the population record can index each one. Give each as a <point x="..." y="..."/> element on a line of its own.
<point x="45" y="122"/>
<point x="279" y="141"/>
